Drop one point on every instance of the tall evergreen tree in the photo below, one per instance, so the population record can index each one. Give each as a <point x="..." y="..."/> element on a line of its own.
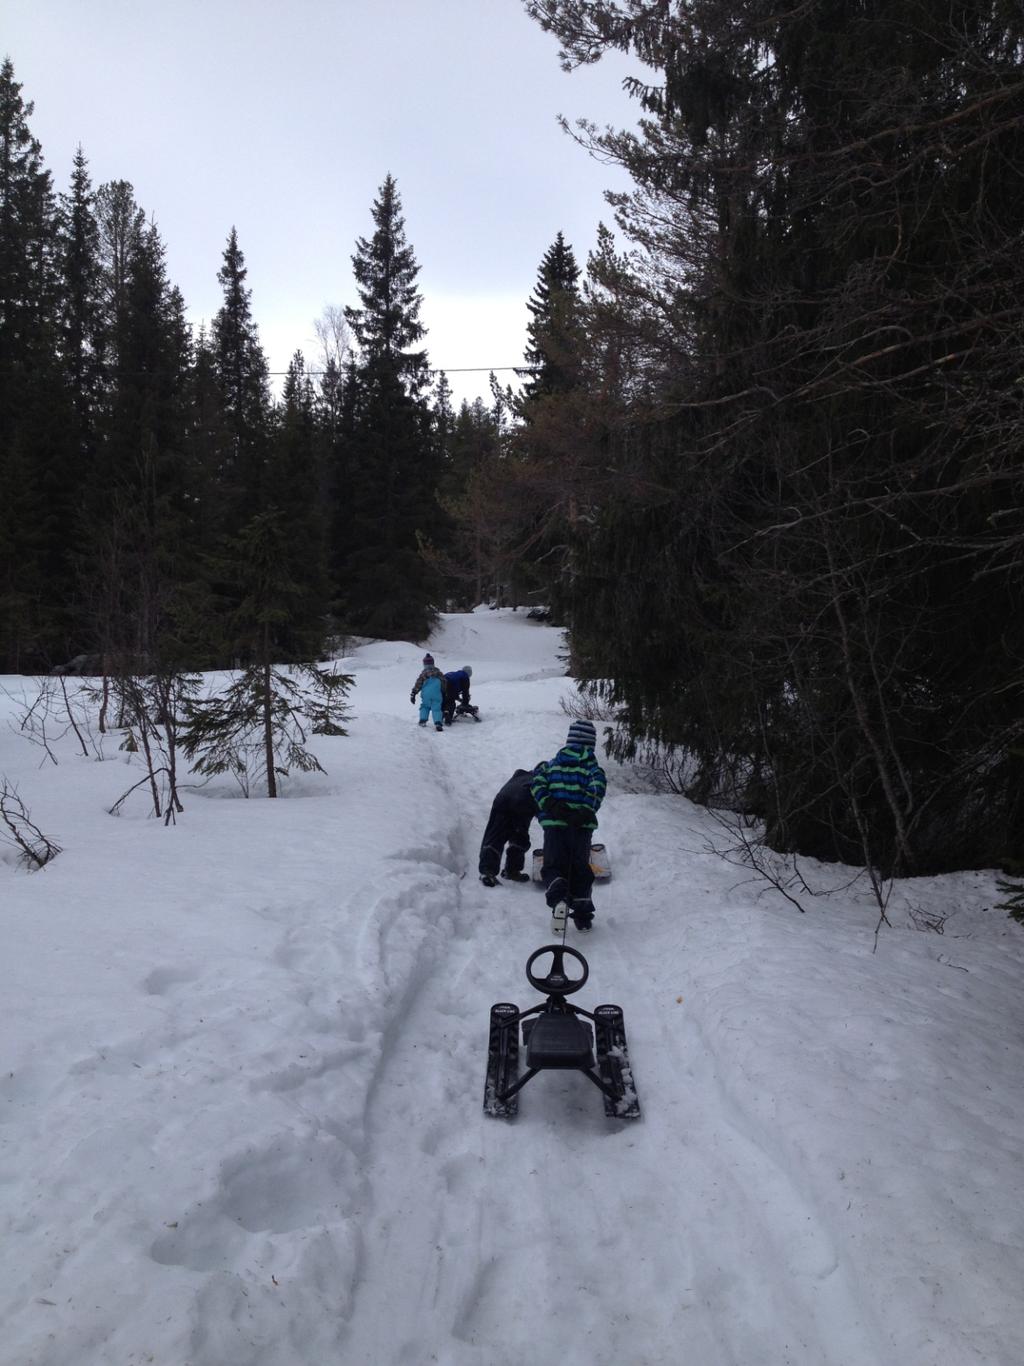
<point x="81" y="307"/>
<point x="385" y="586"/>
<point x="387" y="324"/>
<point x="297" y="486"/>
<point x="36" y="421"/>
<point x="555" y="327"/>
<point x="27" y="244"/>
<point x="120" y="223"/>
<point x="242" y="375"/>
<point x="142" y="524"/>
<point x="549" y="451"/>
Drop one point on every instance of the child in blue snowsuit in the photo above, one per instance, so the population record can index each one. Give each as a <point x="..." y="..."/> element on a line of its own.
<point x="568" y="790"/>
<point x="430" y="686"/>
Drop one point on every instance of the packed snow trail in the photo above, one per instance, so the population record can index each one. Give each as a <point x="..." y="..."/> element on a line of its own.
<point x="240" y="1106"/>
<point x="542" y="1238"/>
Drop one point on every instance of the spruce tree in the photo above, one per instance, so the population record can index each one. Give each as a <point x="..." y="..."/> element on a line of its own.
<point x="81" y="305"/>
<point x="36" y="419"/>
<point x="206" y="442"/>
<point x="120" y="223"/>
<point x="554" y="329"/>
<point x="387" y="325"/>
<point x="242" y="376"/>
<point x="385" y="587"/>
<point x="142" y="525"/>
<point x="82" y="344"/>
<point x="550" y="451"/>
<point x="297" y="486"/>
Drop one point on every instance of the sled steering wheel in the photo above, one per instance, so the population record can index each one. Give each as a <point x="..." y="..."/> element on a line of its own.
<point x="556" y="982"/>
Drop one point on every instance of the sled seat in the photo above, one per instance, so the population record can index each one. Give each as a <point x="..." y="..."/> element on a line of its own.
<point x="558" y="1040"/>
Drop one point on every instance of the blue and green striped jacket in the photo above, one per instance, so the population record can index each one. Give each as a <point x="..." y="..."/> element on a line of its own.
<point x="572" y="776"/>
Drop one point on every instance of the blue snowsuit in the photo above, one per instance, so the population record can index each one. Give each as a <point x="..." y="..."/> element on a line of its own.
<point x="431" y="700"/>
<point x="430" y="686"/>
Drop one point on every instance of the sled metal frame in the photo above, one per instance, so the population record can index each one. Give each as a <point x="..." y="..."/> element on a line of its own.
<point x="557" y="1038"/>
<point x="562" y="1050"/>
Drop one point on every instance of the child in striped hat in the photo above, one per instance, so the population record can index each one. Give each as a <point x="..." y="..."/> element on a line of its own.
<point x="569" y="790"/>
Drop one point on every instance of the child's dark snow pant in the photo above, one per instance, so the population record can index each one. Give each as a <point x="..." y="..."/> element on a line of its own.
<point x="566" y="871"/>
<point x="504" y="826"/>
<point x="508" y="824"/>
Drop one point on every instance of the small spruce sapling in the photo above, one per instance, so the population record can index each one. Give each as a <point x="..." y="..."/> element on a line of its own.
<point x="258" y="726"/>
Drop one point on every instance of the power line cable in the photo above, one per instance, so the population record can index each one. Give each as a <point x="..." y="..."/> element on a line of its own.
<point x="440" y="369"/>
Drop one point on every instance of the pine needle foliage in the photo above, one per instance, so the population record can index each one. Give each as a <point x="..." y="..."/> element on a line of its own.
<point x="797" y="565"/>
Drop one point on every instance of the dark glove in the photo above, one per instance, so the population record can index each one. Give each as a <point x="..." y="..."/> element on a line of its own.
<point x="579" y="816"/>
<point x="561" y="811"/>
<point x="412" y="697"/>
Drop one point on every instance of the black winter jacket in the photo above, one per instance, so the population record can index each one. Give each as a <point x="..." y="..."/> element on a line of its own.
<point x="516" y="798"/>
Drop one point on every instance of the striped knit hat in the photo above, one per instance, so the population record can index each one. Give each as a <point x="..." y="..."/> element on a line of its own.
<point x="428" y="659"/>
<point x="582" y="735"/>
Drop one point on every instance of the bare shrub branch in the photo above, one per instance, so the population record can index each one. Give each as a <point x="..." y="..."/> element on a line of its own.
<point x="18" y="829"/>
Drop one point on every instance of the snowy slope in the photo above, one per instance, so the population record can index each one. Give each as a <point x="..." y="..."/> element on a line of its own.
<point x="240" y="1091"/>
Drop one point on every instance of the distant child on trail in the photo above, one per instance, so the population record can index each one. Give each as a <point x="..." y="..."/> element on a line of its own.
<point x="456" y="689"/>
<point x="430" y="686"/>
<point x="508" y="824"/>
<point x="569" y="790"/>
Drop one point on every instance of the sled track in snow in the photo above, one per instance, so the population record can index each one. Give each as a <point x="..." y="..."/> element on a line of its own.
<point x="493" y="1228"/>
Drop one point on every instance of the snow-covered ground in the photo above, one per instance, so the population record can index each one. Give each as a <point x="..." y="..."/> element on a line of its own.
<point x="242" y="1072"/>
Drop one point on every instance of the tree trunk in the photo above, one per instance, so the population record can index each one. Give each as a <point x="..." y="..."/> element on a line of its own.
<point x="268" y="730"/>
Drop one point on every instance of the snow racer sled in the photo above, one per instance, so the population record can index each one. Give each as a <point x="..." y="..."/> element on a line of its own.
<point x="600" y="863"/>
<point x="557" y="1036"/>
<point x="465" y="710"/>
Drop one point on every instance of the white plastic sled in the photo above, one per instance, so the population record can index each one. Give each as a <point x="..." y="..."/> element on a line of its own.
<point x="600" y="863"/>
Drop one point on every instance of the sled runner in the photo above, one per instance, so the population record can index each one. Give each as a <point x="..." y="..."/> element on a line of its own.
<point x="600" y="863"/>
<point x="558" y="1036"/>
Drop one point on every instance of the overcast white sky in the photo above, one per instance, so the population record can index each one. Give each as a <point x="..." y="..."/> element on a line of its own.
<point x="283" y="119"/>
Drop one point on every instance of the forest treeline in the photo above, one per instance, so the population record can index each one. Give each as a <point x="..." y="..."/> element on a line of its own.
<point x="796" y="513"/>
<point x="137" y="458"/>
<point x="765" y="461"/>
